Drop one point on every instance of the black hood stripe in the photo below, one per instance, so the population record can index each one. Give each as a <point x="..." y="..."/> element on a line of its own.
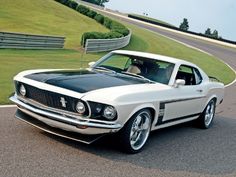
<point x="84" y="80"/>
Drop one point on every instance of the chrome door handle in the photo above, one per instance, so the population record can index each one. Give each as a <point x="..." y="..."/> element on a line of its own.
<point x="200" y="90"/>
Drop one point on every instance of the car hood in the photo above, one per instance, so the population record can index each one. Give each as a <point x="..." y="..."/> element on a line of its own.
<point x="83" y="81"/>
<point x="129" y="94"/>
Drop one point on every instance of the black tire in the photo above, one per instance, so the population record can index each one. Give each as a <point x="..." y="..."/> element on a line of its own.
<point x="205" y="120"/>
<point x="141" y="134"/>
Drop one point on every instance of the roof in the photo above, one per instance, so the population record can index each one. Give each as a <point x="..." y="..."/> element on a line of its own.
<point x="154" y="56"/>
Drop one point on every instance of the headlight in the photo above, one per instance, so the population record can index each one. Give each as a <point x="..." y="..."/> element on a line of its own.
<point x="109" y="112"/>
<point x="22" y="90"/>
<point x="80" y="107"/>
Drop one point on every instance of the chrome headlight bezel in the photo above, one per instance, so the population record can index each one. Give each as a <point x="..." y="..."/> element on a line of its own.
<point x="109" y="112"/>
<point x="80" y="107"/>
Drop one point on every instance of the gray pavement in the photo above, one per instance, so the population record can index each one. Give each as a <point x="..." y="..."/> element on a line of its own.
<point x="178" y="151"/>
<point x="173" y="152"/>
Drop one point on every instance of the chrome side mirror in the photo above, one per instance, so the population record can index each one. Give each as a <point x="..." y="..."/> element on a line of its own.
<point x="91" y="63"/>
<point x="179" y="82"/>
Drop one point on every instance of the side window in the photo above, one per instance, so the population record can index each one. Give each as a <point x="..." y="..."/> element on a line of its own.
<point x="197" y="75"/>
<point x="186" y="73"/>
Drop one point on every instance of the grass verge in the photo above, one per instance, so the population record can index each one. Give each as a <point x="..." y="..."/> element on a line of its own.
<point x="14" y="61"/>
<point x="46" y="17"/>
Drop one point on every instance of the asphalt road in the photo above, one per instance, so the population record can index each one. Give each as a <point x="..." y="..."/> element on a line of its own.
<point x="178" y="151"/>
<point x="173" y="152"/>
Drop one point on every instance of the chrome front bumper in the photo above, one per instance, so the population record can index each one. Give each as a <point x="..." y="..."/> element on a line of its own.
<point x="61" y="121"/>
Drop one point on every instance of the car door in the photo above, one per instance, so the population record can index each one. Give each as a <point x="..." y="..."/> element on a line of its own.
<point x="184" y="101"/>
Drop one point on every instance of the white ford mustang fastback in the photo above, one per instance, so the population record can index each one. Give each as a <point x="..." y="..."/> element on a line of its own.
<point x="127" y="92"/>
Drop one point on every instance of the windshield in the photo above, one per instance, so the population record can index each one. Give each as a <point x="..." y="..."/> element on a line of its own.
<point x="151" y="69"/>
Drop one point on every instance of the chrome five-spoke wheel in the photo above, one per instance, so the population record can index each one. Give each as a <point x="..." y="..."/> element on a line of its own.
<point x="135" y="133"/>
<point x="206" y="118"/>
<point x="209" y="114"/>
<point x="140" y="130"/>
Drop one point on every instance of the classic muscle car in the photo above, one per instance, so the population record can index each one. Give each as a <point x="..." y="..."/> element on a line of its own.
<point x="125" y="92"/>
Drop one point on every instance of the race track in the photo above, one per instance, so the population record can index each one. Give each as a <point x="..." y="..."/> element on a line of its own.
<point x="178" y="151"/>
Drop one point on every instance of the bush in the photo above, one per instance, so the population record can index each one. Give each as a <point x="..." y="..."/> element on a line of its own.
<point x="99" y="18"/>
<point x="112" y="35"/>
<point x="65" y="2"/>
<point x="91" y="14"/>
<point x="118" y="30"/>
<point x="91" y="35"/>
<point x="123" y="31"/>
<point x="107" y="22"/>
<point x="118" y="27"/>
<point x="98" y="35"/>
<point x="73" y="4"/>
<point x="82" y="9"/>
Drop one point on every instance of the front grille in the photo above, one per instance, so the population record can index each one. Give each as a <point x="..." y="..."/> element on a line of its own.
<point x="50" y="99"/>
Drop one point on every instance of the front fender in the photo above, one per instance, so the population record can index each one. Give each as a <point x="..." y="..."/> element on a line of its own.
<point x="139" y="107"/>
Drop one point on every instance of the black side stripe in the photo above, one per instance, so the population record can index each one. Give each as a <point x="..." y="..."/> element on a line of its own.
<point x="162" y="111"/>
<point x="179" y="100"/>
<point x="181" y="118"/>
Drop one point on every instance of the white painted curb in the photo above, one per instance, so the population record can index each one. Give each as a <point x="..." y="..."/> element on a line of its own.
<point x="7" y="106"/>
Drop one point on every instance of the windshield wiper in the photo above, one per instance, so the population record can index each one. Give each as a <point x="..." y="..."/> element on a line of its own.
<point x="137" y="76"/>
<point x="104" y="69"/>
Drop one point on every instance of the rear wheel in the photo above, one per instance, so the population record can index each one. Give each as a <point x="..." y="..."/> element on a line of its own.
<point x="136" y="132"/>
<point x="206" y="118"/>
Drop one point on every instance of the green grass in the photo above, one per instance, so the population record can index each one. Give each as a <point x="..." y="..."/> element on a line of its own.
<point x="46" y="17"/>
<point x="13" y="61"/>
<point x="153" y="19"/>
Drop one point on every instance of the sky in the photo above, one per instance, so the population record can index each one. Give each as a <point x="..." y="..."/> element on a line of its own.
<point x="201" y="14"/>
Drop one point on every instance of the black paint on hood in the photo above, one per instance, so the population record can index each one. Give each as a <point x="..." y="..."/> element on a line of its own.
<point x="84" y="80"/>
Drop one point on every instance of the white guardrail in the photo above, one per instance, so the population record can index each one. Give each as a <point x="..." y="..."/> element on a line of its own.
<point x="101" y="45"/>
<point x="28" y="41"/>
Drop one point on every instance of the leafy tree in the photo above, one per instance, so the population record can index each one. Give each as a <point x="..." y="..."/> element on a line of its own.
<point x="208" y="32"/>
<point x="212" y="35"/>
<point x="215" y="34"/>
<point x="184" y="25"/>
<point x="101" y="2"/>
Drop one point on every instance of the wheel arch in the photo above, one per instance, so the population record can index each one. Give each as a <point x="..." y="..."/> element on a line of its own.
<point x="209" y="99"/>
<point x="150" y="107"/>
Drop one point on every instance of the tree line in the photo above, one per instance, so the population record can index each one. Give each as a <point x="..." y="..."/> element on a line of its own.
<point x="184" y="26"/>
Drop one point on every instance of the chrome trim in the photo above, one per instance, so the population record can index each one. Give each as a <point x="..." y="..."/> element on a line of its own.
<point x="57" y="117"/>
<point x="62" y="112"/>
<point x="51" y="109"/>
<point x="33" y="102"/>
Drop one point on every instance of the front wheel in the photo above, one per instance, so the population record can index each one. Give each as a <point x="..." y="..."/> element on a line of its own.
<point x="136" y="132"/>
<point x="206" y="118"/>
